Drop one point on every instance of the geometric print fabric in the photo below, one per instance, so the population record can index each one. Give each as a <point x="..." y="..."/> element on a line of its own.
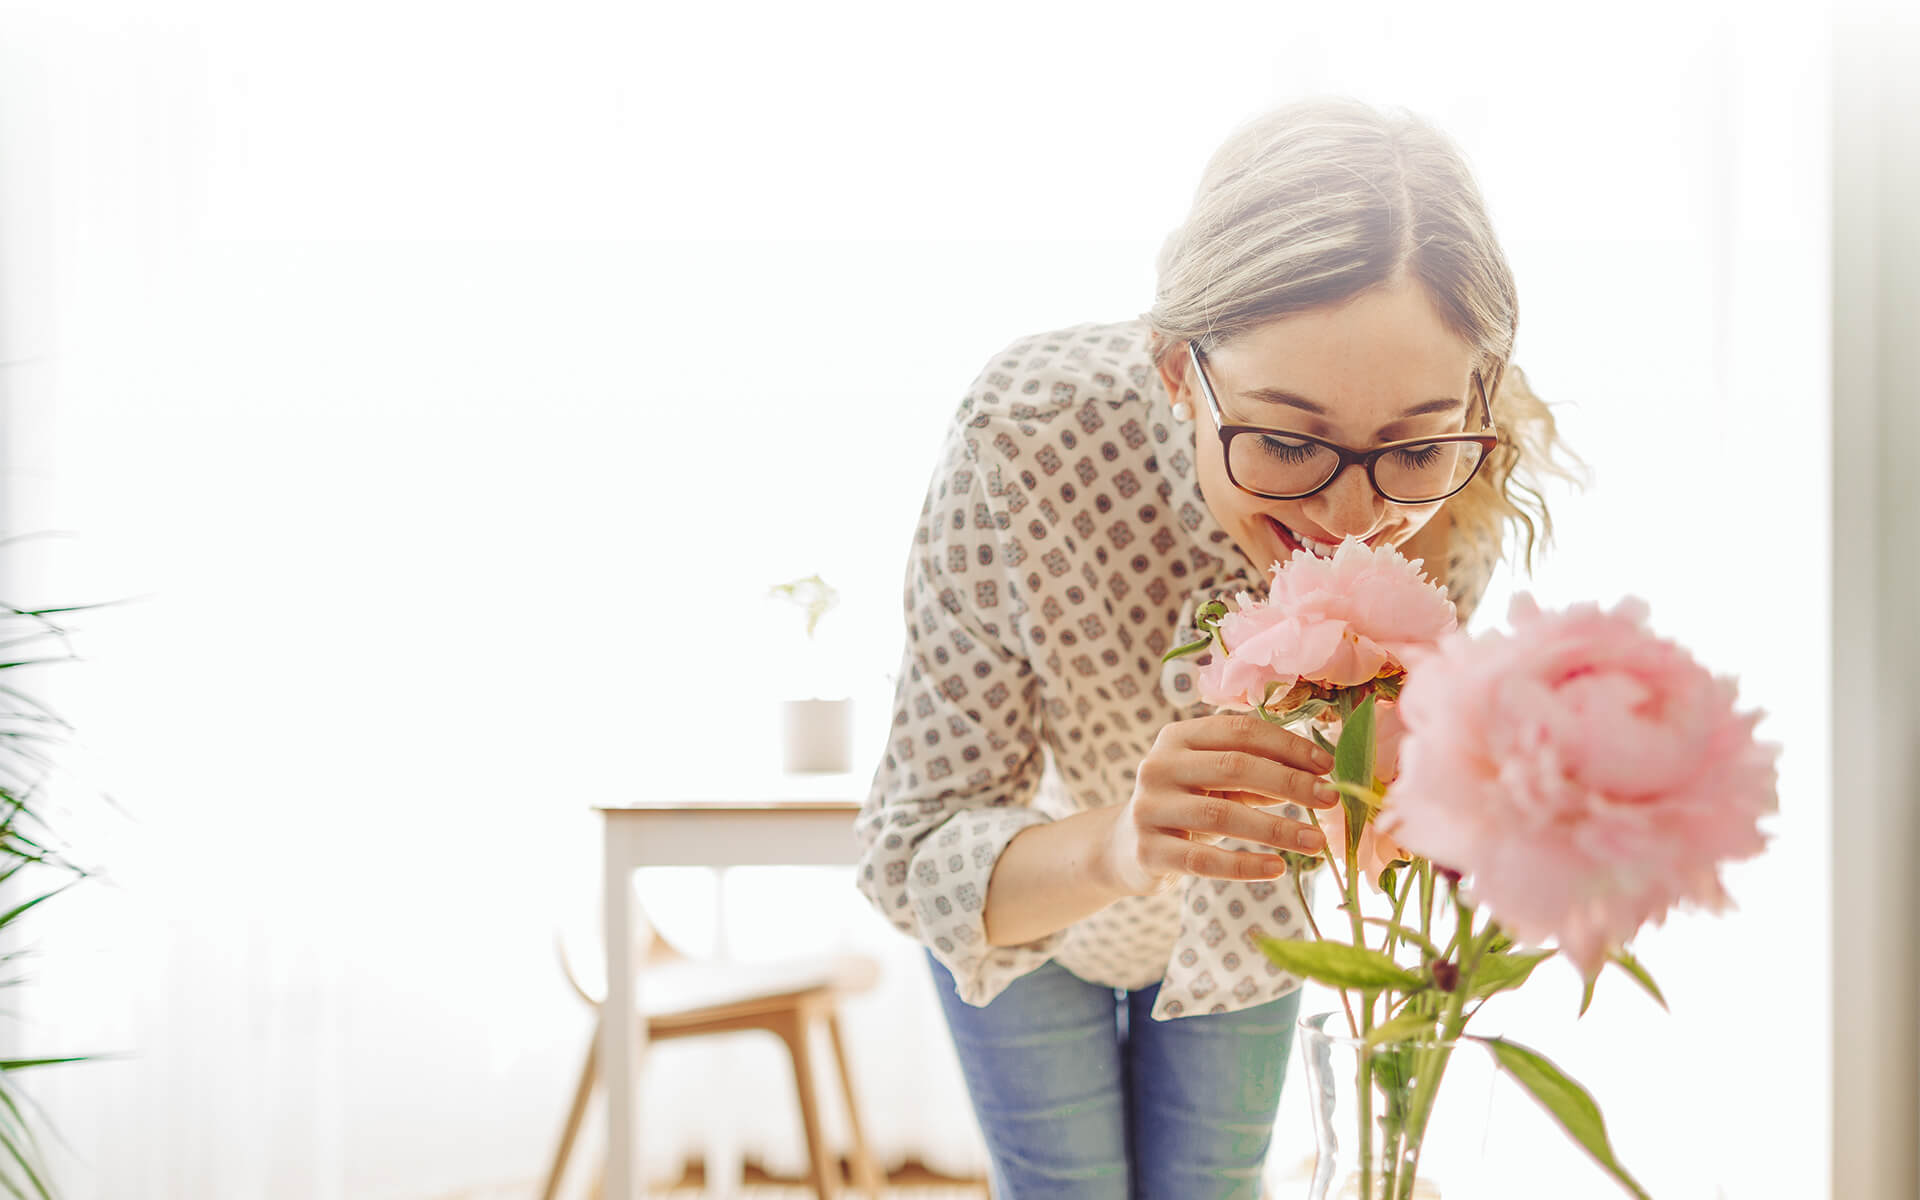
<point x="1062" y="548"/>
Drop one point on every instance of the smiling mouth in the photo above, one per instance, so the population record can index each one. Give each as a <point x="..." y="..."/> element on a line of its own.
<point x="1294" y="541"/>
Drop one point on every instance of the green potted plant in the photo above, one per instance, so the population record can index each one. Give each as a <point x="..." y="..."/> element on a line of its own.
<point x="26" y="852"/>
<point x="816" y="732"/>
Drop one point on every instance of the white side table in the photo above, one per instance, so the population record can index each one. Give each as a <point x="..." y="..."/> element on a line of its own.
<point x="779" y="820"/>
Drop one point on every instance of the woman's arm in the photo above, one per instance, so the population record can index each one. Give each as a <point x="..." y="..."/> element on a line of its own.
<point x="1050" y="876"/>
<point x="966" y="753"/>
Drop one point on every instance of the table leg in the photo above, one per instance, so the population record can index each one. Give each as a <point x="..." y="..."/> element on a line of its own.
<point x="623" y="1037"/>
<point x="726" y="1163"/>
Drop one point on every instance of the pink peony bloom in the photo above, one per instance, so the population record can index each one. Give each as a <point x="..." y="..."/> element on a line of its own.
<point x="1389" y="730"/>
<point x="1585" y="775"/>
<point x="1339" y="622"/>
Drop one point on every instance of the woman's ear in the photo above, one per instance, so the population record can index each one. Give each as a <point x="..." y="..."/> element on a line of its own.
<point x="1173" y="377"/>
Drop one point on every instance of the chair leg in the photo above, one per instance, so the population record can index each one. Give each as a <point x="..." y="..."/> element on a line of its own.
<point x="866" y="1174"/>
<point x="581" y="1095"/>
<point x="793" y="1029"/>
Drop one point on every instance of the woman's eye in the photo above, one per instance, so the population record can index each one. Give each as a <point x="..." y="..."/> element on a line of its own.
<point x="1282" y="448"/>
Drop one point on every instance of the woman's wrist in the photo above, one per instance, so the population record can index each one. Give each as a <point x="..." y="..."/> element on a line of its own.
<point x="1100" y="860"/>
<point x="1050" y="876"/>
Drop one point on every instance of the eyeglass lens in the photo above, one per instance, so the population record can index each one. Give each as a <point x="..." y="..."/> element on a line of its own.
<point x="1409" y="475"/>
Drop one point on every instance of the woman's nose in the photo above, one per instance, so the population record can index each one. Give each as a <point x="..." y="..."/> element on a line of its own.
<point x="1348" y="505"/>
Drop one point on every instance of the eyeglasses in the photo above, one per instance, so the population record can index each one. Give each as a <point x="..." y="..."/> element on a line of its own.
<point x="1279" y="464"/>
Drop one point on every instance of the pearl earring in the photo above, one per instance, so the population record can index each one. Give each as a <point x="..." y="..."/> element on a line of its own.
<point x="1180" y="410"/>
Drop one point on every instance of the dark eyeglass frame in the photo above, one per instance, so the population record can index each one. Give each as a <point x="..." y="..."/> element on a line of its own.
<point x="1366" y="458"/>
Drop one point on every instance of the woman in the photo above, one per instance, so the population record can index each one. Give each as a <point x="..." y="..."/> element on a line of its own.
<point x="1086" y="853"/>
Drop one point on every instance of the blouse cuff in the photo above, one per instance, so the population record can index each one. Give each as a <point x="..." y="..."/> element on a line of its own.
<point x="947" y="886"/>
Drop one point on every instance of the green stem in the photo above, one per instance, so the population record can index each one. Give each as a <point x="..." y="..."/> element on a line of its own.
<point x="1306" y="908"/>
<point x="1432" y="1061"/>
<point x="1399" y="904"/>
<point x="1364" y="1083"/>
<point x="1349" y="887"/>
<point x="1326" y="851"/>
<point x="1426" y="899"/>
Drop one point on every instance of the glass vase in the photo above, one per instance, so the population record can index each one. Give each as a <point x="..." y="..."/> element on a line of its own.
<point x="1393" y="1139"/>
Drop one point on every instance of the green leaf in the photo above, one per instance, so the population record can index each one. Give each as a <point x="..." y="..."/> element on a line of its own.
<point x="1353" y="764"/>
<point x="13" y="1138"/>
<point x="1189" y="648"/>
<point x="1393" y="1068"/>
<point x="18" y="1064"/>
<point x="1339" y="965"/>
<point x="1631" y="966"/>
<point x="1407" y="1027"/>
<point x="1410" y="936"/>
<point x="1389" y="879"/>
<point x="1320" y="739"/>
<point x="11" y="1148"/>
<point x="1365" y="795"/>
<point x="1569" y="1103"/>
<point x="1355" y="751"/>
<point x="1501" y="972"/>
<point x="9" y="917"/>
<point x="1393" y="1079"/>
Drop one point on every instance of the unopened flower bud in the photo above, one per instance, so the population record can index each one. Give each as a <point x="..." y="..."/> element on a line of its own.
<point x="1447" y="873"/>
<point x="1446" y="975"/>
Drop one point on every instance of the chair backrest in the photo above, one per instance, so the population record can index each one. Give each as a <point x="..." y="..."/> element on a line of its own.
<point x="585" y="966"/>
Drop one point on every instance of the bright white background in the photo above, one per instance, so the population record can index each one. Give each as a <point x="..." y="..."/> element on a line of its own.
<point x="380" y="349"/>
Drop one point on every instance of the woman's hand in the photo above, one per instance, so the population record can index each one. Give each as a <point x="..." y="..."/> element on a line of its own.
<point x="1200" y="781"/>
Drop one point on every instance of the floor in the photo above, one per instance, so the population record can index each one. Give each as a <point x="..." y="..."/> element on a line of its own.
<point x="911" y="1182"/>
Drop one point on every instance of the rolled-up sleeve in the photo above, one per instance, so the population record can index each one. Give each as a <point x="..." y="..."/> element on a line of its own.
<point x="965" y="756"/>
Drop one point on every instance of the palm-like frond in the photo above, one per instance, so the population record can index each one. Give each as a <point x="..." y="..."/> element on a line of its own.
<point x="27" y="725"/>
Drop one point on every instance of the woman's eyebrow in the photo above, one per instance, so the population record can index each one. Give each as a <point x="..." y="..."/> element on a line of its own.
<point x="1277" y="396"/>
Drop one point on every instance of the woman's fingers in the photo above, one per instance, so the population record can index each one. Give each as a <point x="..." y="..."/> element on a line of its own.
<point x="1165" y="852"/>
<point x="1212" y="815"/>
<point x="1211" y="777"/>
<point x="1245" y="771"/>
<point x="1246" y="732"/>
<point x="1241" y="753"/>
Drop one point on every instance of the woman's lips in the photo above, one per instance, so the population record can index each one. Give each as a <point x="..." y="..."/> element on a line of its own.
<point x="1292" y="543"/>
<point x="1288" y="541"/>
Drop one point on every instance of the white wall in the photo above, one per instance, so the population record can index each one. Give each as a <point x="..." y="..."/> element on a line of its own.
<point x="373" y="344"/>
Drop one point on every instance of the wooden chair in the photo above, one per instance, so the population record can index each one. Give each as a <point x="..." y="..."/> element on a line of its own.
<point x="683" y="997"/>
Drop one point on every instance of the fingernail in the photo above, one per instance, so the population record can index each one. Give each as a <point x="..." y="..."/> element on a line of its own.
<point x="1327" y="792"/>
<point x="1311" y="841"/>
<point x="1323" y="760"/>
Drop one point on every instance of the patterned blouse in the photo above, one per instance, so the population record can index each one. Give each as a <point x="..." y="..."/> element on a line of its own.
<point x="1063" y="548"/>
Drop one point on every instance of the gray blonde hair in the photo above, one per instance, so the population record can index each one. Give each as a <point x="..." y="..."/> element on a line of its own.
<point x="1315" y="202"/>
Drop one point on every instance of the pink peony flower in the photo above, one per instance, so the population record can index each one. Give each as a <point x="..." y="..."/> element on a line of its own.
<point x="1585" y="775"/>
<point x="1389" y="730"/>
<point x="1339" y="622"/>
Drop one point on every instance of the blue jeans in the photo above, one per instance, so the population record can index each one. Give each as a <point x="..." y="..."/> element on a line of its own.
<point x="1081" y="1095"/>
